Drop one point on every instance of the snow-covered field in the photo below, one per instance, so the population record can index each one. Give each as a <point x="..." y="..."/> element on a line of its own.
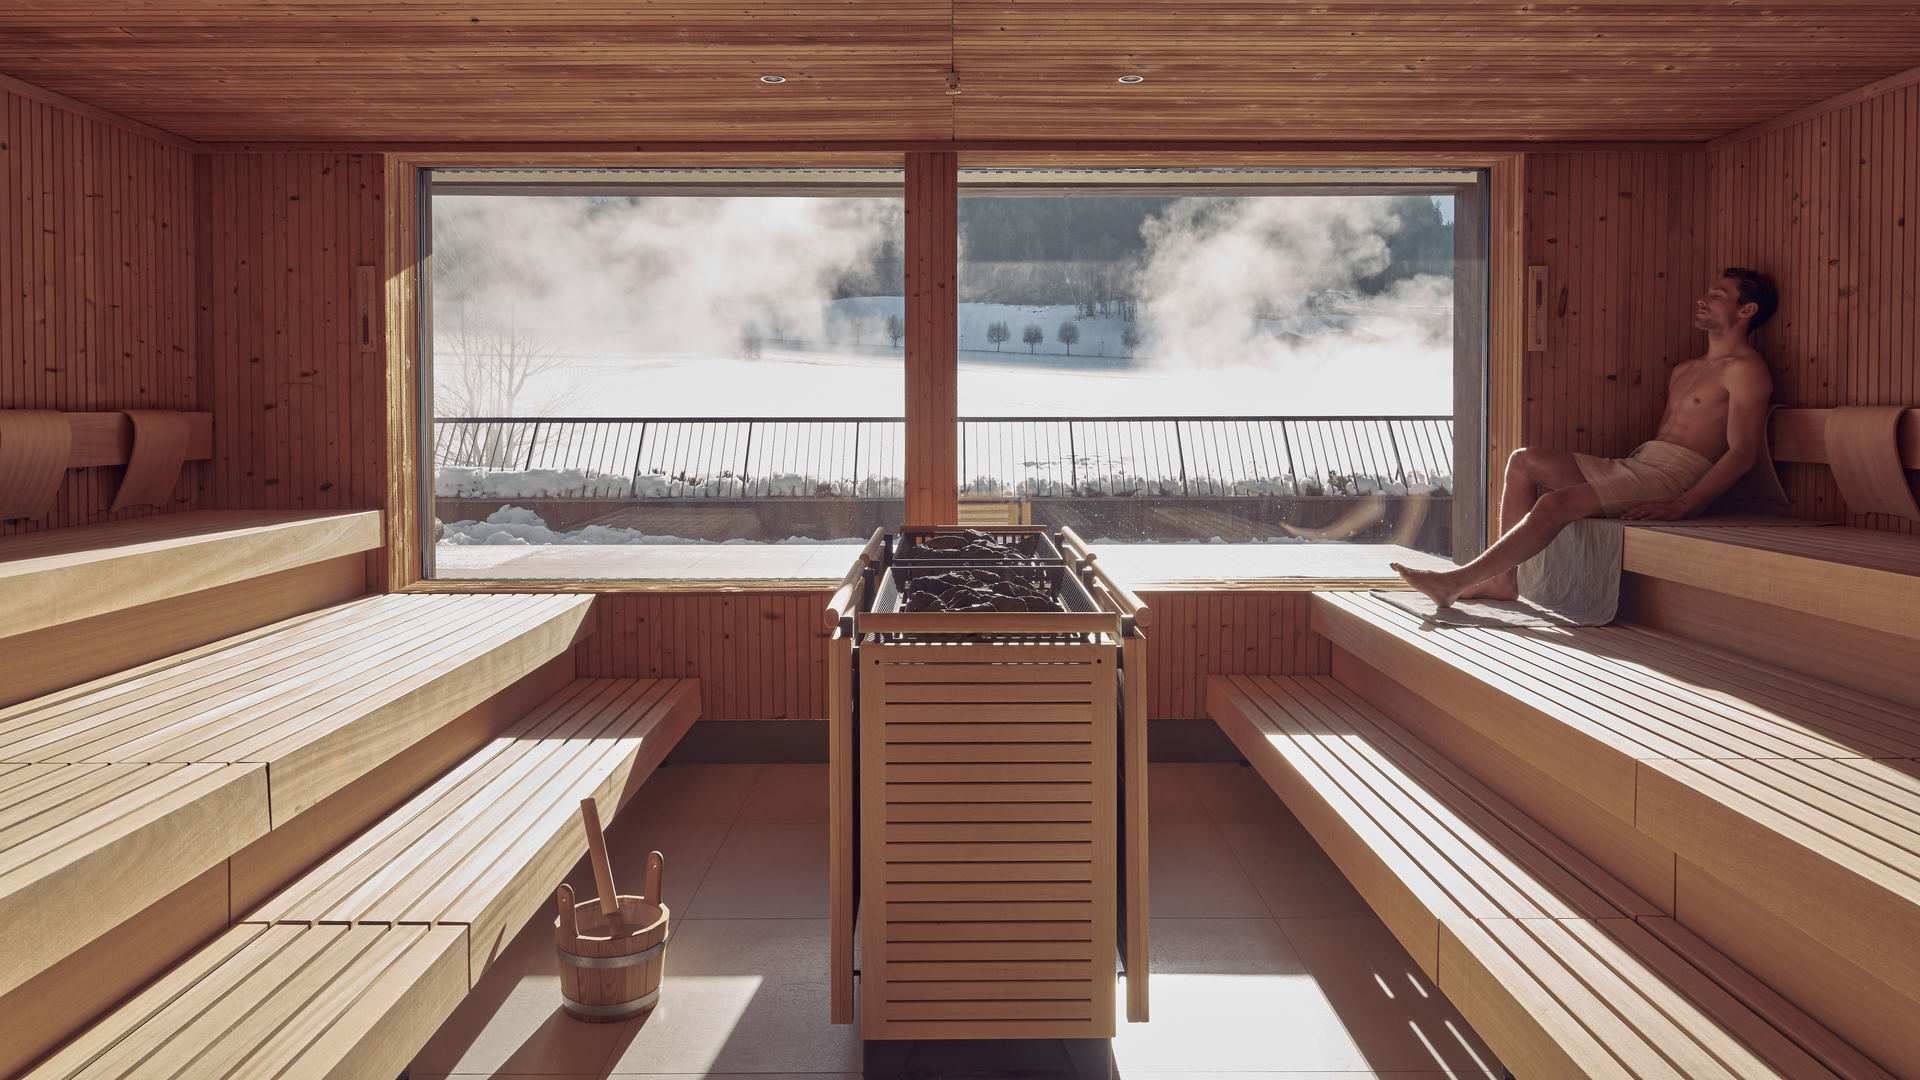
<point x="1385" y="361"/>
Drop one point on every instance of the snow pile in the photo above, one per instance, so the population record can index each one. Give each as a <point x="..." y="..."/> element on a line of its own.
<point x="458" y="482"/>
<point x="518" y="526"/>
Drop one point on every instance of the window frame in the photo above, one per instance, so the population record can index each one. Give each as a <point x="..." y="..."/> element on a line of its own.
<point x="1492" y="394"/>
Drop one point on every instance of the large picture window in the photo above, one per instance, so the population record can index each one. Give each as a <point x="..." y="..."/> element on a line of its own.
<point x="647" y="374"/>
<point x="1232" y="356"/>
<point x="628" y="368"/>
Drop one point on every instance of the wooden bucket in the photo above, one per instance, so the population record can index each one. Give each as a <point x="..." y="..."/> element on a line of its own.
<point x="610" y="966"/>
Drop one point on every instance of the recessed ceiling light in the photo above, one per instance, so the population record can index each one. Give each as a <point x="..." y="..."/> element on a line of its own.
<point x="773" y="80"/>
<point x="1132" y="80"/>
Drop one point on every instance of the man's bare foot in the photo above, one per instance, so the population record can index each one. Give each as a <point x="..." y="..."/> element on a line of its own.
<point x="1432" y="583"/>
<point x="1500" y="587"/>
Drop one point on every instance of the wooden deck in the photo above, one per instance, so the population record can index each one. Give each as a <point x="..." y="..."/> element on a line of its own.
<point x="811" y="566"/>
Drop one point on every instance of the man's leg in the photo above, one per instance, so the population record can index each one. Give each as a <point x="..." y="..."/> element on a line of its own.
<point x="1529" y="537"/>
<point x="1528" y="470"/>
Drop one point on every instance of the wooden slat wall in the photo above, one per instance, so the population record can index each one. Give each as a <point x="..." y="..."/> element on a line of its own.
<point x="1197" y="634"/>
<point x="1623" y="240"/>
<point x="1831" y="207"/>
<point x="299" y="408"/>
<point x="758" y="655"/>
<point x="763" y="655"/>
<point x="96" y="280"/>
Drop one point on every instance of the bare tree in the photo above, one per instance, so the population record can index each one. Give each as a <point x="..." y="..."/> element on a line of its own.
<point x="1068" y="335"/>
<point x="483" y="367"/>
<point x="1130" y="339"/>
<point x="493" y="360"/>
<point x="997" y="334"/>
<point x="1033" y="336"/>
<point x="896" y="329"/>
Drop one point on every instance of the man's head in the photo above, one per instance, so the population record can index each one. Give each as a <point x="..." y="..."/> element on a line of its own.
<point x="1740" y="300"/>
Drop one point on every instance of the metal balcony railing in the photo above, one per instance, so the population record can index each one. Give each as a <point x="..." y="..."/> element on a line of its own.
<point x="1000" y="456"/>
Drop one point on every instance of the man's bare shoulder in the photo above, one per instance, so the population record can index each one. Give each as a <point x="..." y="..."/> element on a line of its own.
<point x="1747" y="369"/>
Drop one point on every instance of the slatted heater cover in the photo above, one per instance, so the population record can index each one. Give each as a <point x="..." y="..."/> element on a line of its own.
<point x="987" y="840"/>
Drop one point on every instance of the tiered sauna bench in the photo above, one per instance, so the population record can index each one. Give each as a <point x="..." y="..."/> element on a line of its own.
<point x="989" y="781"/>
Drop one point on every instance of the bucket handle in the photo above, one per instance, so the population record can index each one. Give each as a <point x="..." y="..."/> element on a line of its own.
<point x="656" y="867"/>
<point x="569" y="926"/>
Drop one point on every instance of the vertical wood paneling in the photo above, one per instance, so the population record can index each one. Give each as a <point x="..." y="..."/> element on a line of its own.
<point x="763" y="655"/>
<point x="96" y="282"/>
<point x="299" y="410"/>
<point x="1828" y="206"/>
<point x="1620" y="234"/>
<point x="758" y="655"/>
<point x="1237" y="632"/>
<point x="933" y="339"/>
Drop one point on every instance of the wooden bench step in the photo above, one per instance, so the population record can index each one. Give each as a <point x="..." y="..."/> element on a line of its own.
<point x="283" y="1001"/>
<point x="118" y="792"/>
<point x="1542" y="951"/>
<point x="1782" y="805"/>
<point x="64" y="575"/>
<point x="486" y="844"/>
<point x="85" y="602"/>
<point x="1834" y="603"/>
<point x="405" y="918"/>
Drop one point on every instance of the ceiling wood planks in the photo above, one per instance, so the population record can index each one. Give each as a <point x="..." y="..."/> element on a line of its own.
<point x="611" y="70"/>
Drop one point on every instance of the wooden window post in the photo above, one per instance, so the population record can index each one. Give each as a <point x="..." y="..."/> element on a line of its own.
<point x="932" y="358"/>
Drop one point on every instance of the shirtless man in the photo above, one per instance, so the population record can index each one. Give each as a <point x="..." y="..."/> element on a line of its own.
<point x="1713" y="432"/>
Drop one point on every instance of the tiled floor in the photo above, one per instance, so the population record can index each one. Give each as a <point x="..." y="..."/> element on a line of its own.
<point x="1265" y="962"/>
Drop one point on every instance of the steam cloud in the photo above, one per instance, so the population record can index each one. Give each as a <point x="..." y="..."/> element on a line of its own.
<point x="677" y="275"/>
<point x="1230" y="282"/>
<point x="1266" y="287"/>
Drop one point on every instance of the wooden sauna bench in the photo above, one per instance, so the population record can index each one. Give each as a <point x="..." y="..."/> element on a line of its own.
<point x="1559" y="966"/>
<point x="1775" y="815"/>
<point x="116" y="793"/>
<point x="83" y="602"/>
<point x="64" y="575"/>
<point x="1839" y="604"/>
<point x="349" y="970"/>
<point x="1862" y="577"/>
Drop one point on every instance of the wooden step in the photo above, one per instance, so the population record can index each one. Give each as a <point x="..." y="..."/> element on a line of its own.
<point x="1548" y="956"/>
<point x="284" y="1001"/>
<point x="486" y="844"/>
<point x="1835" y="603"/>
<point x="85" y="602"/>
<point x="407" y="916"/>
<point x="115" y="793"/>
<point x="1781" y="804"/>
<point x="64" y="575"/>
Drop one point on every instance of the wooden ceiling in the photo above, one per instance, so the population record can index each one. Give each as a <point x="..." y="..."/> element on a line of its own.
<point x="686" y="70"/>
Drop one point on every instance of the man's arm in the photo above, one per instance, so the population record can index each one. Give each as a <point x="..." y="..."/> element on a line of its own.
<point x="1749" y="393"/>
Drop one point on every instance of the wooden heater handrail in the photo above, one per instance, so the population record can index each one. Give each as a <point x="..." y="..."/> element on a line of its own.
<point x="846" y="597"/>
<point x="1126" y="599"/>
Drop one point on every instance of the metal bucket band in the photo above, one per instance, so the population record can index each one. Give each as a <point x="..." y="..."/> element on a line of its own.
<point x="628" y="960"/>
<point x="611" y="1012"/>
